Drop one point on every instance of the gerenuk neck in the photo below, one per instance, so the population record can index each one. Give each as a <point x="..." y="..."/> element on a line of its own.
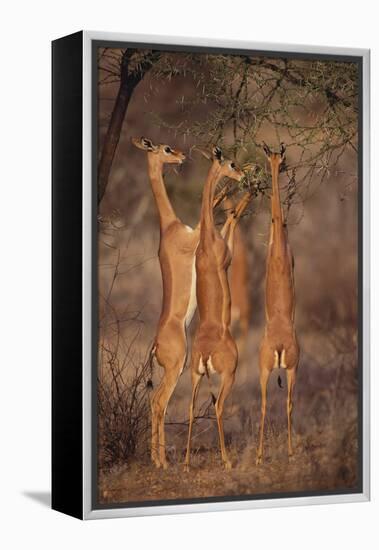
<point x="279" y="233"/>
<point x="166" y="212"/>
<point x="206" y="218"/>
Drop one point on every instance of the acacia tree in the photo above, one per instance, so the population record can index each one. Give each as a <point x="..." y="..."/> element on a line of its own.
<point x="312" y="105"/>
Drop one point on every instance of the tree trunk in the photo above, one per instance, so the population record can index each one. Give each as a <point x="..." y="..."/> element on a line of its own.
<point x="128" y="81"/>
<point x="112" y="138"/>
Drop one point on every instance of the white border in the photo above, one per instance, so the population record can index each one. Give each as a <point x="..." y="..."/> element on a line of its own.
<point x="88" y="513"/>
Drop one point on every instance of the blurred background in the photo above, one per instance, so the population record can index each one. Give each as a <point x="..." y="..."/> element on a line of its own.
<point x="194" y="100"/>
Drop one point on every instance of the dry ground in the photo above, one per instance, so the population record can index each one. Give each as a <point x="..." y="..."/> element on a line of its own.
<point x="317" y="465"/>
<point x="325" y="435"/>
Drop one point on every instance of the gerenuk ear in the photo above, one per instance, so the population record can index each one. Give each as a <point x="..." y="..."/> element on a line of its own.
<point x="217" y="153"/>
<point x="266" y="149"/>
<point x="144" y="144"/>
<point x="282" y="149"/>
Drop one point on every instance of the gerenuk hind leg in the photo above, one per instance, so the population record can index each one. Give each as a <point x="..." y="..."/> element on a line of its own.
<point x="196" y="379"/>
<point x="291" y="376"/>
<point x="266" y="362"/>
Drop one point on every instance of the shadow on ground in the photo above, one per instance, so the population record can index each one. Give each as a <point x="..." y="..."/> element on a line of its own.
<point x="41" y="497"/>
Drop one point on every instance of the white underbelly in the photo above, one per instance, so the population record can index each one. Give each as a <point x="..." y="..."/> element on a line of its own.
<point x="192" y="303"/>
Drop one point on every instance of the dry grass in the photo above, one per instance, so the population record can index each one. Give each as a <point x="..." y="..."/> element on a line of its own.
<point x="325" y="443"/>
<point x="322" y="461"/>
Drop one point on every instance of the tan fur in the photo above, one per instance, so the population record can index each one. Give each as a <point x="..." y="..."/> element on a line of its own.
<point x="178" y="244"/>
<point x="176" y="256"/>
<point x="213" y="344"/>
<point x="238" y="282"/>
<point x="279" y="347"/>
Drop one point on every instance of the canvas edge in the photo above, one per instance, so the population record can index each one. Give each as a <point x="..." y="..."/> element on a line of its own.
<point x="88" y="512"/>
<point x="366" y="317"/>
<point x="87" y="276"/>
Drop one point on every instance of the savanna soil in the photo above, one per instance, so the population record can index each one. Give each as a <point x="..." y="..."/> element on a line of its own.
<point x="323" y="461"/>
